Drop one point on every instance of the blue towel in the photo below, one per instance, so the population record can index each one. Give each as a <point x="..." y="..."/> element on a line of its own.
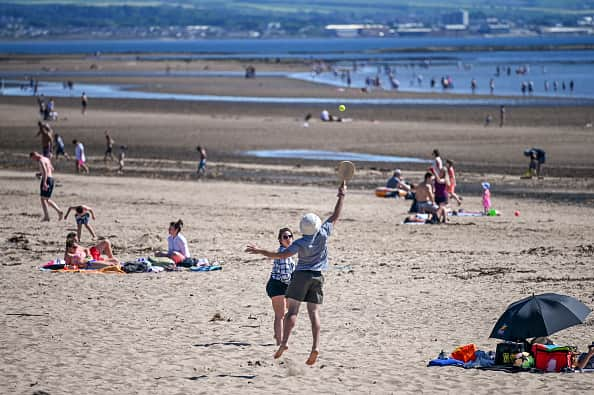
<point x="445" y="362"/>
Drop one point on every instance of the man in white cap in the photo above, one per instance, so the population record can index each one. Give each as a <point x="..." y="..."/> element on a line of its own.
<point x="307" y="280"/>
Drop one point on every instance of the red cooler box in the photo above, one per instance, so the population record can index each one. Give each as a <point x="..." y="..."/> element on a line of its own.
<point x="551" y="359"/>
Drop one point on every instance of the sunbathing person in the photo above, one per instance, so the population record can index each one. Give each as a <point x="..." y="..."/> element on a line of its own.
<point x="78" y="257"/>
<point x="177" y="245"/>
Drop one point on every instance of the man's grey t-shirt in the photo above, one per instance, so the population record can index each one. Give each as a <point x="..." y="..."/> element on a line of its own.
<point x="312" y="250"/>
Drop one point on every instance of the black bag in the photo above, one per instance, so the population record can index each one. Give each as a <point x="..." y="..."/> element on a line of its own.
<point x="505" y="353"/>
<point x="135" y="267"/>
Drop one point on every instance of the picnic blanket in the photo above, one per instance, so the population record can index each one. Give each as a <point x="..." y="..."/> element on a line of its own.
<point x="139" y="265"/>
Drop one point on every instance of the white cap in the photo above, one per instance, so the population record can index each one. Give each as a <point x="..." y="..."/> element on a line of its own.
<point x="310" y="224"/>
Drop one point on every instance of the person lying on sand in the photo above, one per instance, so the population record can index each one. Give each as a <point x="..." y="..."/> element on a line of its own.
<point x="307" y="281"/>
<point x="78" y="257"/>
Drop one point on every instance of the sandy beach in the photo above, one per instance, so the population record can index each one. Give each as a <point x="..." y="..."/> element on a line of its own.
<point x="395" y="295"/>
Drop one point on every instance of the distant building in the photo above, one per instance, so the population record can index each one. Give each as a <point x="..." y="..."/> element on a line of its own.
<point x="356" y="30"/>
<point x="456" y="18"/>
<point x="413" y="29"/>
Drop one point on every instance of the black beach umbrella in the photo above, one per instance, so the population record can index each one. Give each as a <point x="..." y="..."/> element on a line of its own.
<point x="539" y="315"/>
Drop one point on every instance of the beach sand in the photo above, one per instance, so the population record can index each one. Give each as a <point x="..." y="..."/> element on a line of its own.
<point x="395" y="295"/>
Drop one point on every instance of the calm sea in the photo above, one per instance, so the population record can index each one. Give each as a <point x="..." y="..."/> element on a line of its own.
<point x="543" y="63"/>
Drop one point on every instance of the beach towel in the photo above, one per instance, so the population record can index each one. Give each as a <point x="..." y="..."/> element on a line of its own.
<point x="466" y="214"/>
<point x="206" y="268"/>
<point x="445" y="362"/>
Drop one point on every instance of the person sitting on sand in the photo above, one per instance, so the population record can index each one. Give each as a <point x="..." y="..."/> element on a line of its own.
<point x="279" y="280"/>
<point x="584" y="360"/>
<point x="77" y="256"/>
<point x="307" y="281"/>
<point x="177" y="245"/>
<point x="83" y="213"/>
<point x="399" y="186"/>
<point x="325" y="116"/>
<point x="425" y="198"/>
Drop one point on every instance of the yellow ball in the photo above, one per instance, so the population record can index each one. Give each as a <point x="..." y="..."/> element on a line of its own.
<point x="342" y="108"/>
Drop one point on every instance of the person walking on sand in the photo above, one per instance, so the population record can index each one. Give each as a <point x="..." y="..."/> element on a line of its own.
<point x="202" y="164"/>
<point x="60" y="147"/>
<point x="84" y="102"/>
<point x="79" y="156"/>
<point x="501" y="116"/>
<point x="82" y="216"/>
<point x="307" y="281"/>
<point x="452" y="178"/>
<point x="108" y="147"/>
<point x="47" y="185"/>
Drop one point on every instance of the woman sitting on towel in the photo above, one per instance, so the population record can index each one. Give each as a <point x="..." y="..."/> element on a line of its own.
<point x="78" y="257"/>
<point x="177" y="245"/>
<point x="280" y="276"/>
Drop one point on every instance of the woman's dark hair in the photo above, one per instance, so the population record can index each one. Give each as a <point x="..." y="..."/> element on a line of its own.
<point x="71" y="236"/>
<point x="436" y="152"/>
<point x="70" y="243"/>
<point x="177" y="225"/>
<point x="450" y="162"/>
<point x="283" y="230"/>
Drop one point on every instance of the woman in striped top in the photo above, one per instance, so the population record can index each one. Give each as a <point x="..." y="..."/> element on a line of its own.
<point x="280" y="276"/>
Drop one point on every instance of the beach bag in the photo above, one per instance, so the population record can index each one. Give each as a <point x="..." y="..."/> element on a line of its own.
<point x="464" y="353"/>
<point x="551" y="358"/>
<point x="135" y="267"/>
<point x="505" y="353"/>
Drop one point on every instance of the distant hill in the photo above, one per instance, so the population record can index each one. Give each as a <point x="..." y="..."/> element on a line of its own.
<point x="288" y="17"/>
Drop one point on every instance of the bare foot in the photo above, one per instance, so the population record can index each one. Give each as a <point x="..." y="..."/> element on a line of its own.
<point x="60" y="215"/>
<point x="313" y="357"/>
<point x="280" y="351"/>
<point x="45" y="219"/>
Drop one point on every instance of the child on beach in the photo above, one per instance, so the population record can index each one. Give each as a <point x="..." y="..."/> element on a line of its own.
<point x="177" y="245"/>
<point x="307" y="281"/>
<point x="82" y="215"/>
<point x="452" y="185"/>
<point x="280" y="277"/>
<point x="202" y="164"/>
<point x="486" y="197"/>
<point x="79" y="156"/>
<point x="108" y="147"/>
<point x="121" y="158"/>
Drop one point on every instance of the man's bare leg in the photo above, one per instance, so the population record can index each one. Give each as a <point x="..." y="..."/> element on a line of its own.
<point x="288" y="325"/>
<point x="45" y="213"/>
<point x="314" y="316"/>
<point x="53" y="205"/>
